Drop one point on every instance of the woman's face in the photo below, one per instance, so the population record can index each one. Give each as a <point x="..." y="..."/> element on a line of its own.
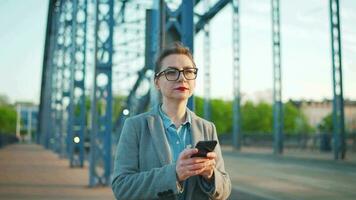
<point x="182" y="88"/>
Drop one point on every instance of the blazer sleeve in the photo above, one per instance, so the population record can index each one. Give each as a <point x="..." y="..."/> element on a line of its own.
<point x="222" y="183"/>
<point x="128" y="181"/>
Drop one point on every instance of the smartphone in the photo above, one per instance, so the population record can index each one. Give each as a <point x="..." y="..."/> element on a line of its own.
<point x="204" y="147"/>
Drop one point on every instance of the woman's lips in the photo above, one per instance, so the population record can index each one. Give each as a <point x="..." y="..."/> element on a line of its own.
<point x="181" y="88"/>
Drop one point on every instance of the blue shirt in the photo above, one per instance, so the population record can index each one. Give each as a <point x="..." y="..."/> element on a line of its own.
<point x="178" y="138"/>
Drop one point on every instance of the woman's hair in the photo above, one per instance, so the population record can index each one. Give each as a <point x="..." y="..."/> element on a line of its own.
<point x="176" y="48"/>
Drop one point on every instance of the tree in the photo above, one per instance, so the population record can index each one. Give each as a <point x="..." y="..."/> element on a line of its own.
<point x="294" y="120"/>
<point x="7" y="116"/>
<point x="4" y="100"/>
<point x="326" y="124"/>
<point x="256" y="118"/>
<point x="118" y="102"/>
<point x="221" y="113"/>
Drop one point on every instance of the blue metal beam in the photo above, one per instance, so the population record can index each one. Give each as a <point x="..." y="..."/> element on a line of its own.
<point x="70" y="79"/>
<point x="277" y="81"/>
<point x="338" y="101"/>
<point x="67" y="76"/>
<point x="46" y="89"/>
<point x="236" y="121"/>
<point x="131" y="102"/>
<point x="206" y="17"/>
<point x="152" y="48"/>
<point x="76" y="120"/>
<point x="100" y="145"/>
<point x="207" y="79"/>
<point x="177" y="26"/>
<point x="134" y="105"/>
<point x="55" y="139"/>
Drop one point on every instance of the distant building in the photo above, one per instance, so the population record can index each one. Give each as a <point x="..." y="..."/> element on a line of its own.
<point x="316" y="111"/>
<point x="26" y="125"/>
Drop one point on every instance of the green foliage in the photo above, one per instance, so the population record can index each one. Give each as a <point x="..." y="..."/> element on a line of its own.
<point x="118" y="102"/>
<point x="326" y="124"/>
<point x="4" y="100"/>
<point x="256" y="118"/>
<point x="222" y="115"/>
<point x="294" y="120"/>
<point x="7" y="119"/>
<point x="199" y="106"/>
<point x="116" y="109"/>
<point x="7" y="116"/>
<point x="220" y="112"/>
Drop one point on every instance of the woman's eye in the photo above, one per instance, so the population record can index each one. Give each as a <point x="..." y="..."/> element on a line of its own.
<point x="189" y="71"/>
<point x="171" y="72"/>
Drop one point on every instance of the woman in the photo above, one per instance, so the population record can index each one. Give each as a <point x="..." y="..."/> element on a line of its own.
<point x="154" y="159"/>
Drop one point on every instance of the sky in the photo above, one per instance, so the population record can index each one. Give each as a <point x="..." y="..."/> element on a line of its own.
<point x="22" y="36"/>
<point x="305" y="50"/>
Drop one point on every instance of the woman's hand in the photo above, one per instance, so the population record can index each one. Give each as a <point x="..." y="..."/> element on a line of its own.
<point x="208" y="171"/>
<point x="187" y="166"/>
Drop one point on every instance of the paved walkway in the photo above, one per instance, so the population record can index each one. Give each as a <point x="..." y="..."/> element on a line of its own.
<point x="30" y="172"/>
<point x="296" y="175"/>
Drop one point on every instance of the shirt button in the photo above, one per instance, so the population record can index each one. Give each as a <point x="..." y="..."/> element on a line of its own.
<point x="177" y="142"/>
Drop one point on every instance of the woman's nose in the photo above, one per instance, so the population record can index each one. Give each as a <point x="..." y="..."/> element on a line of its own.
<point x="181" y="77"/>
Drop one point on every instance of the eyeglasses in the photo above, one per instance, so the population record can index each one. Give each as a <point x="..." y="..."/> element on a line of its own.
<point x="172" y="74"/>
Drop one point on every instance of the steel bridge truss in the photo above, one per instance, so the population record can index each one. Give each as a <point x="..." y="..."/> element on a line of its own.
<point x="63" y="116"/>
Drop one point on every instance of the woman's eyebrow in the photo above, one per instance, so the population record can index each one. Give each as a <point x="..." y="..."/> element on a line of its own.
<point x="174" y="67"/>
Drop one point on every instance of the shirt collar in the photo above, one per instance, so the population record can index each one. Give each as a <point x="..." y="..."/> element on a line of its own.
<point x="167" y="122"/>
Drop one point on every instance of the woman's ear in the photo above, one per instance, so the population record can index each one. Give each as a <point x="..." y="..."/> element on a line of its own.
<point x="156" y="84"/>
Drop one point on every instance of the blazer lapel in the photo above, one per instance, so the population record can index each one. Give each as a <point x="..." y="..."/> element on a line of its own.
<point x="196" y="129"/>
<point x="196" y="135"/>
<point x="159" y="138"/>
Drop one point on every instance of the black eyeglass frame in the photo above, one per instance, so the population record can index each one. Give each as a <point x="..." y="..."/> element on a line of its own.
<point x="179" y="71"/>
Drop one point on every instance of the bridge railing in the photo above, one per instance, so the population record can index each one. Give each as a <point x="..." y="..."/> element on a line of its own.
<point x="6" y="139"/>
<point x="307" y="141"/>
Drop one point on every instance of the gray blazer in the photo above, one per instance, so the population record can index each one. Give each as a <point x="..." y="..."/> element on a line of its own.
<point x="143" y="167"/>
